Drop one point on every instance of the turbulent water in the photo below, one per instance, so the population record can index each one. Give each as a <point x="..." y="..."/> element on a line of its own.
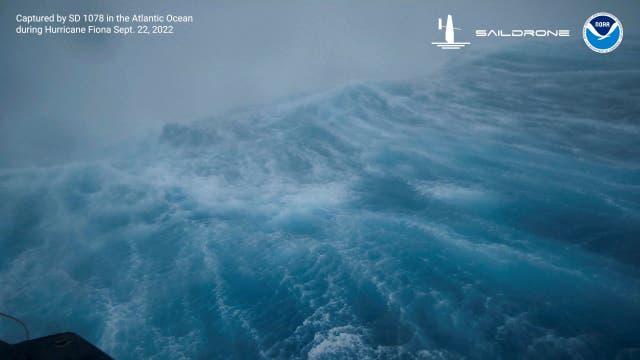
<point x="491" y="211"/>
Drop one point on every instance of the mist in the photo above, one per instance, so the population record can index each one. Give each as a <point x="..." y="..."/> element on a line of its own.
<point x="67" y="98"/>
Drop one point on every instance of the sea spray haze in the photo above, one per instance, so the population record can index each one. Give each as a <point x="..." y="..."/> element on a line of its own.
<point x="490" y="212"/>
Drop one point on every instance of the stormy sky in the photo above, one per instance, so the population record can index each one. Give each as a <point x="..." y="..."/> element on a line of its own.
<point x="68" y="98"/>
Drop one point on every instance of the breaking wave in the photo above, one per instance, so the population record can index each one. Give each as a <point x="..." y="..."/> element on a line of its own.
<point x="488" y="212"/>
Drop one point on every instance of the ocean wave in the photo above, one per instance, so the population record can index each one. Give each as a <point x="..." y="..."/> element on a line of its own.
<point x="487" y="212"/>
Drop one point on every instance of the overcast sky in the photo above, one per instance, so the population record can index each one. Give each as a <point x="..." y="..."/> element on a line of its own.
<point x="65" y="97"/>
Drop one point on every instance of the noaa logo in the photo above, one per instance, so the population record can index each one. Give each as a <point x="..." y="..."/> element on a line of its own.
<point x="602" y="32"/>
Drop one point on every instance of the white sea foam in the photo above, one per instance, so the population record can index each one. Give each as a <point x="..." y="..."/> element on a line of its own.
<point x="418" y="219"/>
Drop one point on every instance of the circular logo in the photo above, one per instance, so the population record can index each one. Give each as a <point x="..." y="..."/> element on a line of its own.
<point x="602" y="32"/>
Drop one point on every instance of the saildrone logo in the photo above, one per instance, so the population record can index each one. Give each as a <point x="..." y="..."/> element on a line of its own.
<point x="602" y="32"/>
<point x="449" y="36"/>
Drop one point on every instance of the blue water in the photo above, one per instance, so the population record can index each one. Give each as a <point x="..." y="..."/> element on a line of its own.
<point x="491" y="211"/>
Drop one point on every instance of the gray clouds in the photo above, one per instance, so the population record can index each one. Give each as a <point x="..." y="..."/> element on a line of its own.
<point x="68" y="98"/>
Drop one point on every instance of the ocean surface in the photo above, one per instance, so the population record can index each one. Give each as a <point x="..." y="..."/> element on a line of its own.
<point x="491" y="211"/>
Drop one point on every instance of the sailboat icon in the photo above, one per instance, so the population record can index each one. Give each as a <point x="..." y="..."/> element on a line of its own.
<point x="449" y="43"/>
